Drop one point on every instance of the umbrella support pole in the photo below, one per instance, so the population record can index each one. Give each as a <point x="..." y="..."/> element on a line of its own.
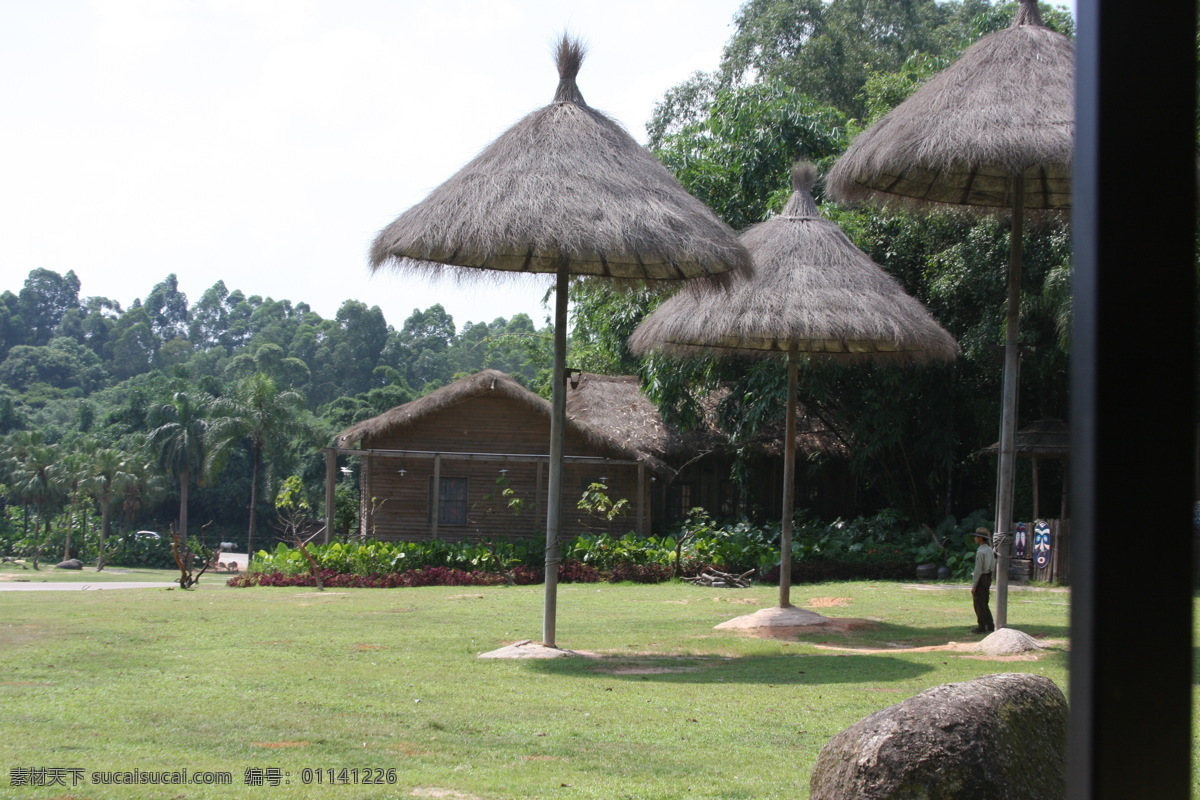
<point x="1008" y="414"/>
<point x="789" y="484"/>
<point x="558" y="416"/>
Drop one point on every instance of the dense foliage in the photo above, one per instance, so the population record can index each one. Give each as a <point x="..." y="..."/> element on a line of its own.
<point x="798" y="79"/>
<point x="885" y="546"/>
<point x="190" y="414"/>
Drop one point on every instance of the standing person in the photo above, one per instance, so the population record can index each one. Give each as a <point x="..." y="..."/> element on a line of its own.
<point x="981" y="581"/>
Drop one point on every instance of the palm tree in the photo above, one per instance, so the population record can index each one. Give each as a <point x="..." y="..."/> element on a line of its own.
<point x="37" y="481"/>
<point x="15" y="448"/>
<point x="142" y="483"/>
<point x="179" y="443"/>
<point x="262" y="415"/>
<point x="110" y="470"/>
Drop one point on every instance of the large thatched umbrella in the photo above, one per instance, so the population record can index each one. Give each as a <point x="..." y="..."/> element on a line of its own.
<point x="995" y="129"/>
<point x="813" y="293"/>
<point x="564" y="191"/>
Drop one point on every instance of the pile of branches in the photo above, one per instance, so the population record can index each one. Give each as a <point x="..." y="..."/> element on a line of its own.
<point x="716" y="578"/>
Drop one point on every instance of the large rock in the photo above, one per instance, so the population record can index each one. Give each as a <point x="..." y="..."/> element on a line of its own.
<point x="1000" y="737"/>
<point x="70" y="563"/>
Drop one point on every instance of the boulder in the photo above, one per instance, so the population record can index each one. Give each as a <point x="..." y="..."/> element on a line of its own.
<point x="1000" y="737"/>
<point x="70" y="563"/>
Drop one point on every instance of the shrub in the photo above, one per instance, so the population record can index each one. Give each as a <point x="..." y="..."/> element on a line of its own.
<point x="883" y="547"/>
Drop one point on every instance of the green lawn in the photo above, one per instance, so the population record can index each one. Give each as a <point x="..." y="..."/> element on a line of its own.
<point x="223" y="679"/>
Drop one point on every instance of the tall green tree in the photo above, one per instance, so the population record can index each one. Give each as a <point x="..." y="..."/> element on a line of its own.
<point x="168" y="310"/>
<point x="262" y="416"/>
<point x="178" y="441"/>
<point x="43" y="300"/>
<point x="737" y="156"/>
<point x="36" y="477"/>
<point x="110" y="471"/>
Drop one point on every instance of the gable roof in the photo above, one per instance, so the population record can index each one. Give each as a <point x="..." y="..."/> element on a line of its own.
<point x="617" y="408"/>
<point x="488" y="382"/>
<point x="609" y="412"/>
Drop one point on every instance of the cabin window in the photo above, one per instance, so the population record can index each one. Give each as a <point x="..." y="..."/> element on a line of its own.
<point x="451" y="502"/>
<point x="727" y="494"/>
<point x="679" y="501"/>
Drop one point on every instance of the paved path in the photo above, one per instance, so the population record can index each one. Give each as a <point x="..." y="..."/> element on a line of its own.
<point x="50" y="586"/>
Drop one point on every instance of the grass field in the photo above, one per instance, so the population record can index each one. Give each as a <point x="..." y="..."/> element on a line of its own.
<point x="299" y="685"/>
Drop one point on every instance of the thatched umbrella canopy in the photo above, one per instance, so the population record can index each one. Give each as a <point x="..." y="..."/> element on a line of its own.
<point x="568" y="191"/>
<point x="565" y="185"/>
<point x="1042" y="438"/>
<point x="1005" y="110"/>
<point x="813" y="293"/>
<point x="996" y="130"/>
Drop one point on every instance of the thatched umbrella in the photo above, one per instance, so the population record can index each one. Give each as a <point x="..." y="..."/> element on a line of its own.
<point x="995" y="129"/>
<point x="813" y="293"/>
<point x="564" y="191"/>
<point x="1040" y="439"/>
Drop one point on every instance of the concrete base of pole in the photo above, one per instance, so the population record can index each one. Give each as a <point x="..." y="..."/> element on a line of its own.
<point x="528" y="648"/>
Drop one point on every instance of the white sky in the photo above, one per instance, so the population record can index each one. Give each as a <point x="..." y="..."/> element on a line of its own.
<point x="265" y="142"/>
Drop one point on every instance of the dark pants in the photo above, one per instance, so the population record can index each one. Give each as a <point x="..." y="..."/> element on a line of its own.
<point x="983" y="614"/>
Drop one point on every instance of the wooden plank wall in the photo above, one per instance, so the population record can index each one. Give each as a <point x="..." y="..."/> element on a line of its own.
<point x="398" y="504"/>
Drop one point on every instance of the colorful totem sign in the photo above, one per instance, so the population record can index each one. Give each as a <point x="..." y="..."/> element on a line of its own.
<point x="1041" y="544"/>
<point x="1019" y="539"/>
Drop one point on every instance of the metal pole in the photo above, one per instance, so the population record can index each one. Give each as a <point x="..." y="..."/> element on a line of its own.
<point x="789" y="484"/>
<point x="1008" y="411"/>
<point x="558" y="417"/>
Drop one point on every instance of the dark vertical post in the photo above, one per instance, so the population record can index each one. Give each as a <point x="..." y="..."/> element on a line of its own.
<point x="642" y="528"/>
<point x="435" y="497"/>
<point x="1132" y="400"/>
<point x="330" y="490"/>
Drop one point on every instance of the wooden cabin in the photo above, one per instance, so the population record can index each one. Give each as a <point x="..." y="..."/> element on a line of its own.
<point x="697" y="464"/>
<point x="469" y="461"/>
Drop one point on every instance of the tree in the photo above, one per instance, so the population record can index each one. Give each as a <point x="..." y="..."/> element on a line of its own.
<point x="262" y="415"/>
<point x="35" y="473"/>
<point x="178" y="441"/>
<point x="43" y="300"/>
<point x="12" y="327"/>
<point x="134" y="344"/>
<point x="110" y="472"/>
<point x="210" y="317"/>
<point x="426" y="338"/>
<point x="28" y="365"/>
<point x="828" y="50"/>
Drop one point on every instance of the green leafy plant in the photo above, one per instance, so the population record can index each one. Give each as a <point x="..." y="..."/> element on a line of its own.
<point x="595" y="501"/>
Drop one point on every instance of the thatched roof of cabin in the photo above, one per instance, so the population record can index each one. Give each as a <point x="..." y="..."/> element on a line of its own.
<point x="565" y="185"/>
<point x="812" y="288"/>
<point x="484" y="383"/>
<point x="610" y="413"/>
<point x="617" y="408"/>
<point x="1043" y="438"/>
<point x="1005" y="108"/>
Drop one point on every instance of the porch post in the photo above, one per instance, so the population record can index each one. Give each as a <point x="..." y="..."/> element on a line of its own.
<point x="641" y="500"/>
<point x="330" y="490"/>
<point x="435" y="497"/>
